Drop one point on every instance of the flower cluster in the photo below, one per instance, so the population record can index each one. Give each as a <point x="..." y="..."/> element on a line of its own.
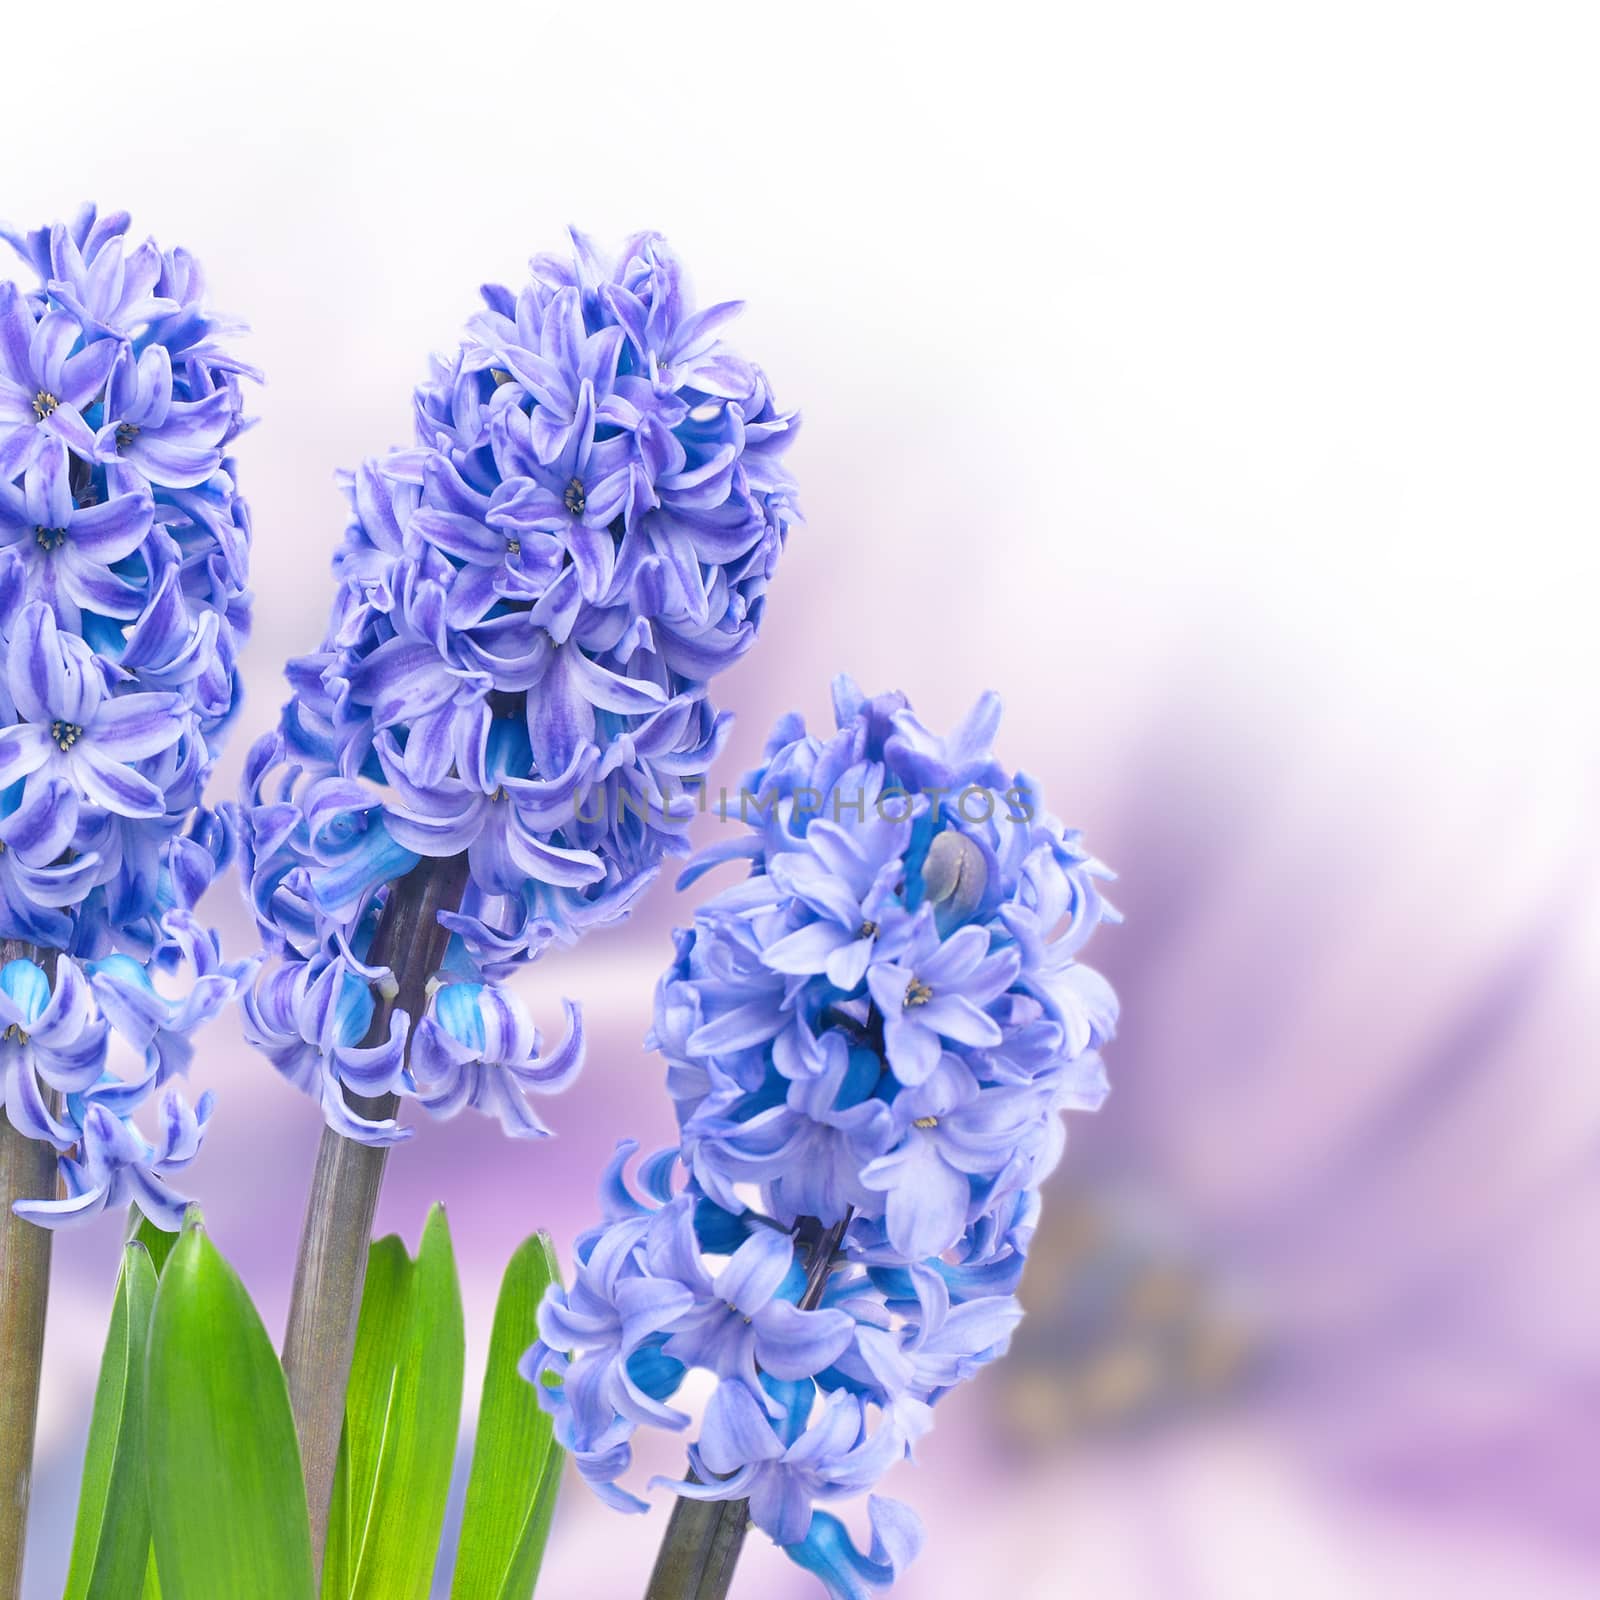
<point x="533" y="599"/>
<point x="123" y="567"/>
<point x="58" y="1078"/>
<point x="869" y="1042"/>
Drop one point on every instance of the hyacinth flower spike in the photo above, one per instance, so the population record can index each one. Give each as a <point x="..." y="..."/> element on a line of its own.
<point x="868" y="1042"/>
<point x="122" y="606"/>
<point x="490" y="752"/>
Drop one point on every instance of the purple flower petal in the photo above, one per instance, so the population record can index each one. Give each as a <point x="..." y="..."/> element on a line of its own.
<point x="24" y="748"/>
<point x="108" y="783"/>
<point x="16" y="337"/>
<point x="132" y="726"/>
<point x="42" y="824"/>
<point x="66" y="425"/>
<point x="793" y="1344"/>
<point x="462" y="536"/>
<point x="735" y="1431"/>
<point x="166" y="462"/>
<point x="84" y="375"/>
<point x="109" y="532"/>
<point x="809" y="949"/>
<point x="754" y="1271"/>
<point x="47" y="490"/>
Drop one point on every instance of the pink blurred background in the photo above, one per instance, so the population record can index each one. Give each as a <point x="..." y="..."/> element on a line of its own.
<point x="1216" y="383"/>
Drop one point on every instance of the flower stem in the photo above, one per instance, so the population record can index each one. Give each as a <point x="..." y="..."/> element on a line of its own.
<point x="700" y="1551"/>
<point x="27" y="1172"/>
<point x="704" y="1538"/>
<point x="332" y="1265"/>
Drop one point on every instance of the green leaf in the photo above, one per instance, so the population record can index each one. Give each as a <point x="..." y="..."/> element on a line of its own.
<point x="544" y="1510"/>
<point x="524" y="1573"/>
<point x="111" y="1542"/>
<point x="160" y="1245"/>
<point x="227" y="1499"/>
<point x="156" y="1240"/>
<point x="369" y="1407"/>
<point x="516" y="1463"/>
<point x="402" y="1436"/>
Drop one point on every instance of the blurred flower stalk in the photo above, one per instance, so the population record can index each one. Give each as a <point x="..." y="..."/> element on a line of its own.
<point x="489" y="753"/>
<point x="869" y="1042"/>
<point x="123" y="567"/>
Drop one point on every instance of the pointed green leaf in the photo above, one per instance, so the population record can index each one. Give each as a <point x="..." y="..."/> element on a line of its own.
<point x="156" y="1240"/>
<point x="369" y="1407"/>
<point x="227" y="1499"/>
<point x="516" y="1464"/>
<point x="393" y="1548"/>
<point x="159" y="1243"/>
<point x="524" y="1574"/>
<point x="111" y="1542"/>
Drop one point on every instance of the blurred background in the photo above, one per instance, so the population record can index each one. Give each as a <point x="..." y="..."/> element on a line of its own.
<point x="1217" y="383"/>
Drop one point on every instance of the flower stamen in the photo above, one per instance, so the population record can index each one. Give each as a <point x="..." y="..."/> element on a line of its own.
<point x="44" y="404"/>
<point x="50" y="538"/>
<point x="573" y="498"/>
<point x="65" y="734"/>
<point x="918" y="993"/>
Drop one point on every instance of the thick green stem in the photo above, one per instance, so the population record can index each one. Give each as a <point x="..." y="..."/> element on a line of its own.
<point x="703" y="1540"/>
<point x="332" y="1266"/>
<point x="27" y="1172"/>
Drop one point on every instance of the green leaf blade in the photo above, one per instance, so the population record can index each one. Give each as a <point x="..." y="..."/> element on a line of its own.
<point x="516" y="1463"/>
<point x="394" y="1558"/>
<point x="227" y="1498"/>
<point x="385" y="1319"/>
<point x="156" y="1240"/>
<point x="111" y="1540"/>
<point x="523" y="1575"/>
